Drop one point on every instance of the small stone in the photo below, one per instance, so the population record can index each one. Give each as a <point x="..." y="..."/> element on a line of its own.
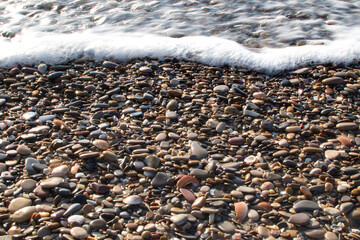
<point x="346" y="207"/>
<point x="133" y="200"/>
<point x="332" y="154"/>
<point x="78" y="233"/>
<point x="23" y="150"/>
<point x="231" y="110"/>
<point x="29" y="165"/>
<point x="227" y="227"/>
<point x="23" y="214"/>
<point x="152" y="161"/>
<point x="110" y="156"/>
<point x="346" y="126"/>
<point x="60" y="171"/>
<point x="51" y="182"/>
<point x="263" y="231"/>
<point x="299" y="219"/>
<point x="101" y="144"/>
<point x="100" y="188"/>
<point x="315" y="234"/>
<point x="172" y="105"/>
<point x="198" y="150"/>
<point x="19" y="203"/>
<point x="221" y="89"/>
<point x="44" y="231"/>
<point x="355" y="214"/>
<point x="333" y="80"/>
<point x="305" y="205"/>
<point x="293" y="129"/>
<point x="28" y="185"/>
<point x="236" y="141"/>
<point x="179" y="219"/>
<point x="331" y="236"/>
<point x="98" y="224"/>
<point x="199" y="173"/>
<point x="160" y="179"/>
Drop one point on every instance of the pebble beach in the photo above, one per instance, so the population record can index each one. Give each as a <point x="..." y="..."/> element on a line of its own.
<point x="173" y="149"/>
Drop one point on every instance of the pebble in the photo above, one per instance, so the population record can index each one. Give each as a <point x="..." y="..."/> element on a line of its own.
<point x="78" y="233"/>
<point x="299" y="218"/>
<point x="305" y="205"/>
<point x="160" y="180"/>
<point x="23" y="214"/>
<point x="198" y="150"/>
<point x="19" y="203"/>
<point x="179" y="219"/>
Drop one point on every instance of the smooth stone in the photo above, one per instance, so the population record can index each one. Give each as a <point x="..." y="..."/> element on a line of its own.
<point x="333" y="80"/>
<point x="227" y="227"/>
<point x="78" y="232"/>
<point x="23" y="214"/>
<point x="221" y="126"/>
<point x="236" y="141"/>
<point x="179" y="219"/>
<point x="71" y="209"/>
<point x="160" y="180"/>
<point x="41" y="192"/>
<point x="313" y="150"/>
<point x="251" y="113"/>
<point x="199" y="173"/>
<point x="19" y="203"/>
<point x="28" y="165"/>
<point x="100" y="188"/>
<point x="248" y="190"/>
<point x="161" y="137"/>
<point x="305" y="205"/>
<point x="221" y="89"/>
<point x="172" y="105"/>
<point x="51" y="182"/>
<point x="133" y="200"/>
<point x="98" y="224"/>
<point x="263" y="231"/>
<point x="332" y="154"/>
<point x="110" y="156"/>
<point x="60" y="171"/>
<point x="152" y="161"/>
<point x="293" y="129"/>
<point x="28" y="185"/>
<point x="332" y="211"/>
<point x="145" y="70"/>
<point x="267" y="125"/>
<point x="44" y="231"/>
<point x="76" y="219"/>
<point x="331" y="236"/>
<point x="39" y="129"/>
<point x="197" y="150"/>
<point x="316" y="233"/>
<point x="346" y="126"/>
<point x="171" y="115"/>
<point x="101" y="144"/>
<point x="23" y="150"/>
<point x="346" y="207"/>
<point x="299" y="219"/>
<point x="253" y="215"/>
<point x="231" y="110"/>
<point x="29" y="115"/>
<point x="355" y="214"/>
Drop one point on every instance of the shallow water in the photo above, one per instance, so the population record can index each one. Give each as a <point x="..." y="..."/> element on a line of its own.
<point x="252" y="34"/>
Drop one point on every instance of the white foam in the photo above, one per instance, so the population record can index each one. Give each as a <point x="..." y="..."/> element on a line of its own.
<point x="35" y="47"/>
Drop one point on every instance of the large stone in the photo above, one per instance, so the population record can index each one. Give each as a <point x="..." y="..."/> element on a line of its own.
<point x="198" y="150"/>
<point x="299" y="219"/>
<point x="24" y="214"/>
<point x="19" y="203"/>
<point x="305" y="205"/>
<point x="160" y="179"/>
<point x="346" y="126"/>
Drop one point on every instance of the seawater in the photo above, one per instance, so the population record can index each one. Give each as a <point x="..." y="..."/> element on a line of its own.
<point x="260" y="35"/>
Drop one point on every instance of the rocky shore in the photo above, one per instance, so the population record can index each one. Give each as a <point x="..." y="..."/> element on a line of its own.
<point x="170" y="149"/>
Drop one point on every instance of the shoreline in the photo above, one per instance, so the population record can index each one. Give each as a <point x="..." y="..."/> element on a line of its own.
<point x="154" y="149"/>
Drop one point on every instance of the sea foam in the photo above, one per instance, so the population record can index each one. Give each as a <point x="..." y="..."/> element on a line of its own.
<point x="30" y="47"/>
